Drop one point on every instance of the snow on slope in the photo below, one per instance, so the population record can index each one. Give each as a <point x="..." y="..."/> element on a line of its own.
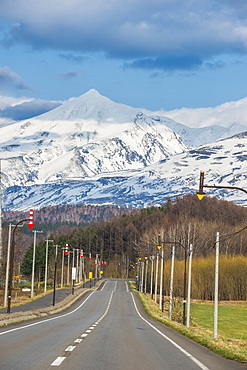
<point x="92" y="150"/>
<point x="224" y="163"/>
<point x="81" y="138"/>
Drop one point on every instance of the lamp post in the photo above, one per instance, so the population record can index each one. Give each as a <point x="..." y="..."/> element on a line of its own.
<point x="12" y="253"/>
<point x="7" y="265"/>
<point x="159" y="246"/>
<point x="200" y="194"/>
<point x="146" y="274"/>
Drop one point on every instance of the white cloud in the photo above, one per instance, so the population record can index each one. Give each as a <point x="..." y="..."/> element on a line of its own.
<point x="127" y="29"/>
<point x="223" y="115"/>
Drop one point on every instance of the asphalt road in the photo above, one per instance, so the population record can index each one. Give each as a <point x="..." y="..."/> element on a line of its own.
<point x="47" y="300"/>
<point x="105" y="329"/>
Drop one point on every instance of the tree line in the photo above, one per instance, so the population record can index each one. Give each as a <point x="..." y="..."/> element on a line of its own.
<point x="122" y="240"/>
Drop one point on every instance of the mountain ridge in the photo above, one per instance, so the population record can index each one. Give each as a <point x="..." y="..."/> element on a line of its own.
<point x="101" y="152"/>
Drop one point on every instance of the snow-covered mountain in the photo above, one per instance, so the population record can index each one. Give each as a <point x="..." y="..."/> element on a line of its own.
<point x="194" y="137"/>
<point x="92" y="150"/>
<point x="224" y="163"/>
<point x="82" y="138"/>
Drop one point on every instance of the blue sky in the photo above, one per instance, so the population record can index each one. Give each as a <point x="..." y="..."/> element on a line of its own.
<point x="153" y="54"/>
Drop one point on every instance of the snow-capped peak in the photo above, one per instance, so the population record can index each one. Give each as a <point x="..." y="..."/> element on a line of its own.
<point x="91" y="105"/>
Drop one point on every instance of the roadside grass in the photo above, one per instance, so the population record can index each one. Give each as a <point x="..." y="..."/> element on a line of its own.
<point x="232" y="319"/>
<point x="226" y="345"/>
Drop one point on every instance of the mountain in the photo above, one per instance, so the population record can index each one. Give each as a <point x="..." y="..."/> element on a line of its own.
<point x="194" y="137"/>
<point x="224" y="163"/>
<point x="81" y="138"/>
<point x="94" y="151"/>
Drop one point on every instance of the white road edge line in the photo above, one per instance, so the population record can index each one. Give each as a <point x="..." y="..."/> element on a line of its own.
<point x="103" y="285"/>
<point x="50" y="319"/>
<point x="203" y="367"/>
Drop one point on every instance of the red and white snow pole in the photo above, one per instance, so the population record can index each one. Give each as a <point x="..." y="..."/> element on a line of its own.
<point x="66" y="251"/>
<point x="31" y="224"/>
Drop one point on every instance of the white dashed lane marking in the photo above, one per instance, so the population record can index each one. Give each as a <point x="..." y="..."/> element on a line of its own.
<point x="70" y="348"/>
<point x="78" y="341"/>
<point x="59" y="360"/>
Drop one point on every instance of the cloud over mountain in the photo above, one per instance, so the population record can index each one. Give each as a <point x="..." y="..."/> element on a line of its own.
<point x="166" y="35"/>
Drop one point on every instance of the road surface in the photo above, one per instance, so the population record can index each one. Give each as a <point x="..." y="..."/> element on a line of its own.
<point x="47" y="300"/>
<point x="105" y="329"/>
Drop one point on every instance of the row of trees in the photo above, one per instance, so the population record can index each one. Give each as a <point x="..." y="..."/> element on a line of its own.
<point x="232" y="278"/>
<point x="121" y="241"/>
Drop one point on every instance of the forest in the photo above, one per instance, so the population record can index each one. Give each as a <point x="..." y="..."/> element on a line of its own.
<point x="122" y="240"/>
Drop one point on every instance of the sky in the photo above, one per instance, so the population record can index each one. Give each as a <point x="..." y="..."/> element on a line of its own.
<point x="152" y="54"/>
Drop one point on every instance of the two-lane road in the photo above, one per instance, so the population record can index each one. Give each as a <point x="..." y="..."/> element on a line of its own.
<point x="106" y="329"/>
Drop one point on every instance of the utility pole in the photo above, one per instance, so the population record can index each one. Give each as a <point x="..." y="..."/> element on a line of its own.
<point x="68" y="275"/>
<point x="77" y="265"/>
<point x="7" y="267"/>
<point x="189" y="287"/>
<point x="156" y="278"/>
<point x="146" y="274"/>
<point x="55" y="275"/>
<point x="161" y="279"/>
<point x="152" y="272"/>
<point x="1" y="239"/>
<point x="46" y="263"/>
<point x="216" y="285"/>
<point x="171" y="284"/>
<point x="62" y="267"/>
<point x="33" y="267"/>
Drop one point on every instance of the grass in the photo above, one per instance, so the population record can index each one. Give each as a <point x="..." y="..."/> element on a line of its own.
<point x="232" y="319"/>
<point x="232" y="326"/>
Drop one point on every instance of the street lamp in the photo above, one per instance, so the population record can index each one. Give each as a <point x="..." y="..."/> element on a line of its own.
<point x="200" y="194"/>
<point x="159" y="246"/>
<point x="12" y="253"/>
